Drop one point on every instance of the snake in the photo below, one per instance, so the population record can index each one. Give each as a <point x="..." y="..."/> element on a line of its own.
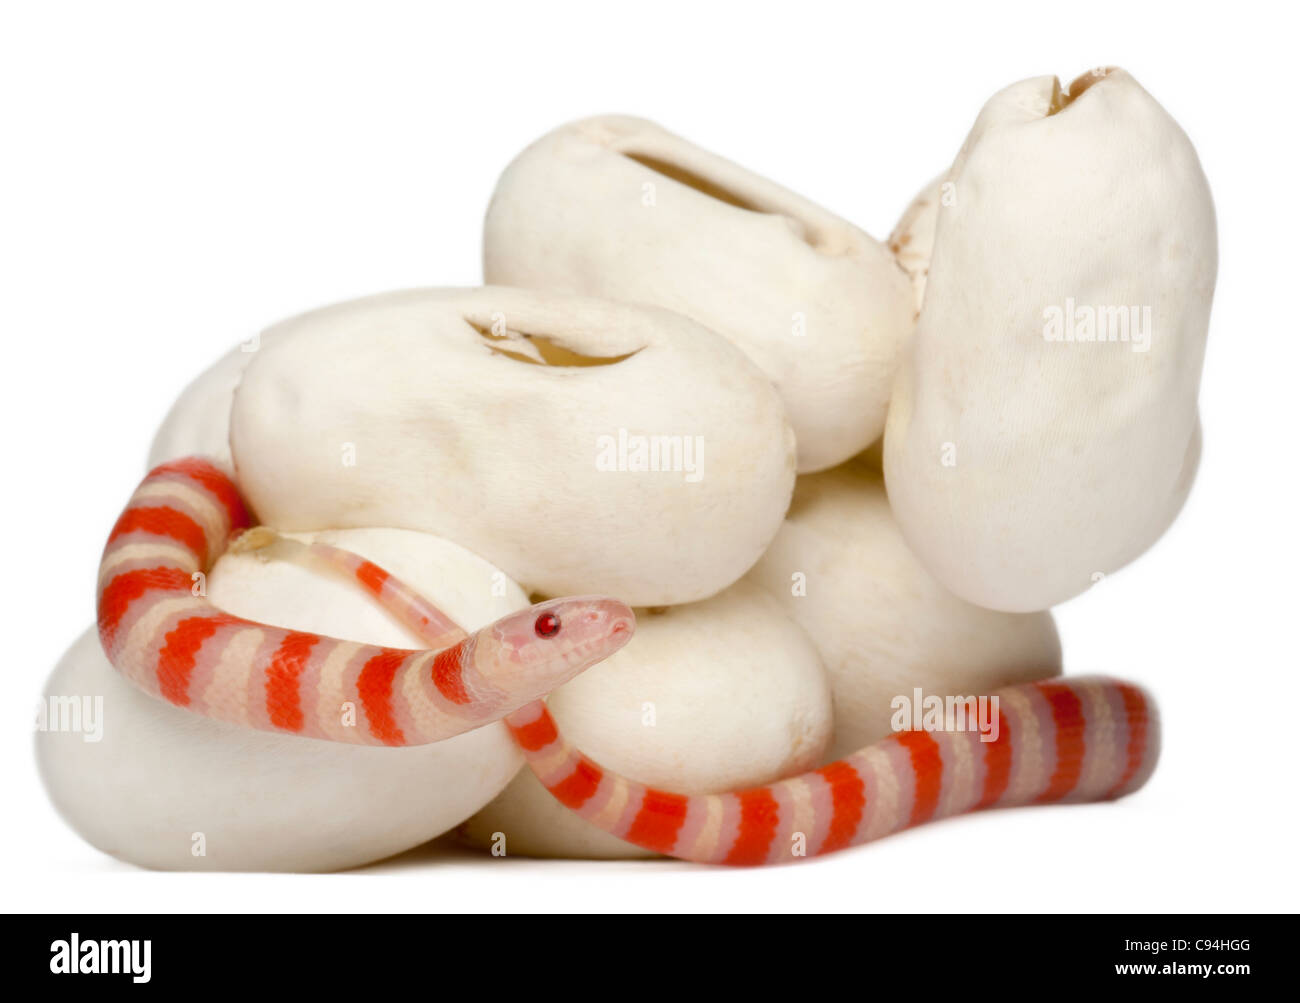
<point x="162" y="633"/>
<point x="1085" y="739"/>
<point x="1089" y="738"/>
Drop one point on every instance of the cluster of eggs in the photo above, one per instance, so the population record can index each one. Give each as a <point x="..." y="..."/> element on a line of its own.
<point x="826" y="470"/>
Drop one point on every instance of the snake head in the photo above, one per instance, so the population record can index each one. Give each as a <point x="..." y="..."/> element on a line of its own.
<point x="553" y="641"/>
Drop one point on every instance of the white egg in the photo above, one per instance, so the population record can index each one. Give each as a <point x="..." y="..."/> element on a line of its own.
<point x="1043" y="430"/>
<point x="161" y="784"/>
<point x="883" y="625"/>
<point x="582" y="446"/>
<point x="619" y="207"/>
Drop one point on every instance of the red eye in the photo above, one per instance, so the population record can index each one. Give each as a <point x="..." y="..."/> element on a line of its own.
<point x="547" y="625"/>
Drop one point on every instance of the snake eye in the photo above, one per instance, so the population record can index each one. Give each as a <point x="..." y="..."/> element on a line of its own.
<point x="547" y="625"/>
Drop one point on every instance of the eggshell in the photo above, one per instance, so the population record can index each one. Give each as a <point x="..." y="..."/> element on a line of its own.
<point x="912" y="241"/>
<point x="841" y="569"/>
<point x="712" y="696"/>
<point x="160" y="779"/>
<point x="1024" y="460"/>
<point x="619" y="207"/>
<point x="506" y="420"/>
<point x="198" y="424"/>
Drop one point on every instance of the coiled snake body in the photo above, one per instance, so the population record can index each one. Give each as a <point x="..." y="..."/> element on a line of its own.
<point x="161" y="632"/>
<point x="1085" y="739"/>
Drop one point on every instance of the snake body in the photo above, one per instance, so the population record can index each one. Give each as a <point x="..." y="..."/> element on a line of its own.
<point x="159" y="630"/>
<point x="1086" y="739"/>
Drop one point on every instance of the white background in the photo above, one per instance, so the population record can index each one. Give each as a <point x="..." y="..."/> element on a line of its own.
<point x="174" y="180"/>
